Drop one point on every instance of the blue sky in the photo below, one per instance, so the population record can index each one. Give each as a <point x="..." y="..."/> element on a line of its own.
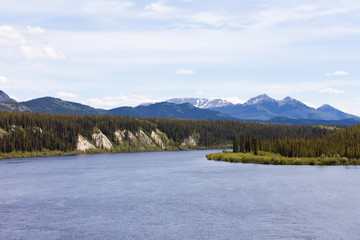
<point x="112" y="53"/>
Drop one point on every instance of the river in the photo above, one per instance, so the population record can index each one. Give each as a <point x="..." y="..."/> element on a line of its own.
<point x="175" y="195"/>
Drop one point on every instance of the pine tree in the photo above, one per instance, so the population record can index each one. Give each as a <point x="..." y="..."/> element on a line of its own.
<point x="256" y="146"/>
<point x="236" y="144"/>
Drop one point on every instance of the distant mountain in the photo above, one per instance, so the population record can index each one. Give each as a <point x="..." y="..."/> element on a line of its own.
<point x="261" y="109"/>
<point x="260" y="100"/>
<point x="57" y="106"/>
<point x="5" y="98"/>
<point x="169" y="110"/>
<point x="52" y="105"/>
<point x="13" y="107"/>
<point x="49" y="105"/>
<point x="201" y="102"/>
<point x="330" y="112"/>
<point x="264" y="108"/>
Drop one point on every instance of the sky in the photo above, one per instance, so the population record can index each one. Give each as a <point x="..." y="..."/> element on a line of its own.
<point x="111" y="53"/>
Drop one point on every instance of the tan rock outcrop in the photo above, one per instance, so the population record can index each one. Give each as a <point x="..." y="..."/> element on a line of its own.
<point x="83" y="144"/>
<point x="190" y="141"/>
<point x="143" y="138"/>
<point x="157" y="138"/>
<point x="101" y="141"/>
<point x="120" y="136"/>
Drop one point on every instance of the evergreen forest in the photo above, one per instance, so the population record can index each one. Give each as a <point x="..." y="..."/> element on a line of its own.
<point x="343" y="142"/>
<point x="34" y="132"/>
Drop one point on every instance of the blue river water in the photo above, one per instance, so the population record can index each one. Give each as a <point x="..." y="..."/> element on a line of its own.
<point x="175" y="195"/>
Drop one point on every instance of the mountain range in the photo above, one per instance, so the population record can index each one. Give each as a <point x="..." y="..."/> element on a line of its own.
<point x="266" y="108"/>
<point x="261" y="109"/>
<point x="52" y="105"/>
<point x="201" y="102"/>
<point x="170" y="110"/>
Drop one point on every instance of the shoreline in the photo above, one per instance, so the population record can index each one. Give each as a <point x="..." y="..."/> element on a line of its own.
<point x="266" y="158"/>
<point x="55" y="153"/>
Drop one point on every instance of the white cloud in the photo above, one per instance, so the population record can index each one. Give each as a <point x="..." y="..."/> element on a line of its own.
<point x="211" y="19"/>
<point x="309" y="104"/>
<point x="234" y="100"/>
<point x="119" y="101"/>
<point x="107" y="6"/>
<point x="277" y="15"/>
<point x="337" y="73"/>
<point x="187" y="46"/>
<point x="30" y="52"/>
<point x="160" y="7"/>
<point x="331" y="91"/>
<point x="67" y="95"/>
<point x="35" y="30"/>
<point x="199" y="93"/>
<point x="10" y="36"/>
<point x="14" y="42"/>
<point x="4" y="80"/>
<point x="185" y="72"/>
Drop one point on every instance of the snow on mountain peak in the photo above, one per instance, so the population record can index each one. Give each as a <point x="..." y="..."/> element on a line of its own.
<point x="288" y="100"/>
<point x="201" y="102"/>
<point x="259" y="99"/>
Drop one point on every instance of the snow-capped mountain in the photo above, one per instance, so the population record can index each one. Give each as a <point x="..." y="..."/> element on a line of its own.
<point x="289" y="101"/>
<point x="265" y="108"/>
<point x="259" y="100"/>
<point x="261" y="108"/>
<point x="201" y="102"/>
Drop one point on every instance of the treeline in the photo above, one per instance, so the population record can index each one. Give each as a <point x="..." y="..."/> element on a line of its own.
<point x="36" y="132"/>
<point x="344" y="142"/>
<point x="223" y="131"/>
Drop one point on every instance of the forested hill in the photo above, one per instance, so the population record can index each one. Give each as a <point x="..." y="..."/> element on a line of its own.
<point x="37" y="132"/>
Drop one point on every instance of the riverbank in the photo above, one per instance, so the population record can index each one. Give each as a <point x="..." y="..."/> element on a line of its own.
<point x="48" y="153"/>
<point x="277" y="159"/>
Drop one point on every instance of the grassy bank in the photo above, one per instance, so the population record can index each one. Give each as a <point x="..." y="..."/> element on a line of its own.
<point x="277" y="159"/>
<point x="118" y="149"/>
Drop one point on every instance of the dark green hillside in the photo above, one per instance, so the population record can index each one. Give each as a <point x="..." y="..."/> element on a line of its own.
<point x="49" y="105"/>
<point x="57" y="106"/>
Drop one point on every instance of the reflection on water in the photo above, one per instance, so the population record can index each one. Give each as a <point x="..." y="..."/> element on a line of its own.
<point x="174" y="195"/>
<point x="14" y="162"/>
